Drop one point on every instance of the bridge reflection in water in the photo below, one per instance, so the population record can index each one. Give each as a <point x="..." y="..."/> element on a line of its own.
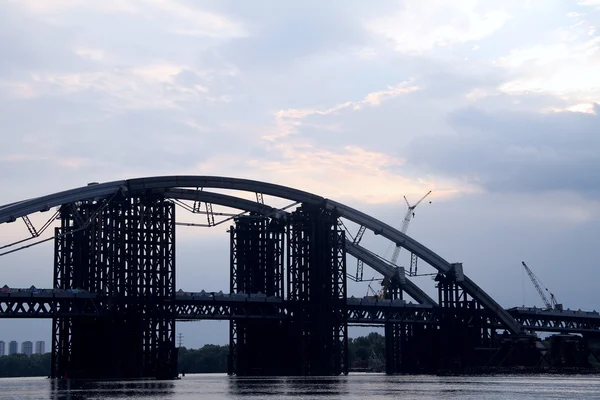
<point x="114" y="303"/>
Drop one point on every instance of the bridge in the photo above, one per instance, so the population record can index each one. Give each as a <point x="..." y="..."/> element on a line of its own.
<point x="114" y="299"/>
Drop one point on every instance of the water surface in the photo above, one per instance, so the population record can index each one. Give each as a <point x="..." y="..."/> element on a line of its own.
<point x="354" y="386"/>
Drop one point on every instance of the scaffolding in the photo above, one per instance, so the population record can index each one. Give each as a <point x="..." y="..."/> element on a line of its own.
<point x="123" y="250"/>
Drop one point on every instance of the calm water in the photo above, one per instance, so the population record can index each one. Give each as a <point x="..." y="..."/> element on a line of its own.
<point x="355" y="386"/>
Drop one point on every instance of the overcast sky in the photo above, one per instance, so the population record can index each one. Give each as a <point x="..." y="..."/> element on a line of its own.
<point x="492" y="105"/>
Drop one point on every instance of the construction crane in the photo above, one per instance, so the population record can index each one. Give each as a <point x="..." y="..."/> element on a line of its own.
<point x="410" y="213"/>
<point x="552" y="304"/>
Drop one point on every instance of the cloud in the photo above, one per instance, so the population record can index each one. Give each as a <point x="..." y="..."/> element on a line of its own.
<point x="144" y="86"/>
<point x="201" y="22"/>
<point x="565" y="67"/>
<point x="349" y="173"/>
<point x="192" y="20"/>
<point x="288" y="120"/>
<point x="92" y="54"/>
<point x="587" y="108"/>
<point x="516" y="152"/>
<point x="56" y="7"/>
<point x="423" y="26"/>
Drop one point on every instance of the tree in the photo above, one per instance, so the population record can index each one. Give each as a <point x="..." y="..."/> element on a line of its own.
<point x="16" y="365"/>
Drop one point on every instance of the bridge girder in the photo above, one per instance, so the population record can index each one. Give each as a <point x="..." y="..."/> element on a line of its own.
<point x="192" y="307"/>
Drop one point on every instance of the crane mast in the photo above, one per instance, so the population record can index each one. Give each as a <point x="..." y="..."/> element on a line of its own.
<point x="550" y="304"/>
<point x="410" y="213"/>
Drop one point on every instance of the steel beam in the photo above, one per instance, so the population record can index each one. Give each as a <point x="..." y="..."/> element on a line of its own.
<point x="48" y="303"/>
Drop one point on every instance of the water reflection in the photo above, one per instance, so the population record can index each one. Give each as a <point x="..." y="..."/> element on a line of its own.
<point x="290" y="386"/>
<point x="353" y="387"/>
<point x="319" y="386"/>
<point x="83" y="390"/>
<point x="259" y="386"/>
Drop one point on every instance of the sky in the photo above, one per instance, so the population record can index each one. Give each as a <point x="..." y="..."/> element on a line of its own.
<point x="494" y="106"/>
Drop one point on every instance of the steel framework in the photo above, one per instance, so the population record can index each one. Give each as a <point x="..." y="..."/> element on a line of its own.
<point x="257" y="244"/>
<point x="48" y="303"/>
<point x="122" y="248"/>
<point x="316" y="290"/>
<point x="468" y="330"/>
<point x="169" y="184"/>
<point x="395" y="334"/>
<point x="116" y="243"/>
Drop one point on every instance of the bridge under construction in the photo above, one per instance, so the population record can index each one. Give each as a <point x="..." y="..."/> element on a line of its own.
<point x="114" y="300"/>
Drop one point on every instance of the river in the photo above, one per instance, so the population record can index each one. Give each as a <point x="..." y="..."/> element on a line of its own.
<point x="354" y="386"/>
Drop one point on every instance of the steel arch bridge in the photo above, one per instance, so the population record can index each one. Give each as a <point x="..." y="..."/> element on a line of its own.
<point x="127" y="227"/>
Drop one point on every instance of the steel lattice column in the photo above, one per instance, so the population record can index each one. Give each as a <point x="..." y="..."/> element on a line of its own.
<point x="316" y="289"/>
<point x="467" y="339"/>
<point x="395" y="334"/>
<point x="256" y="346"/>
<point x="124" y="249"/>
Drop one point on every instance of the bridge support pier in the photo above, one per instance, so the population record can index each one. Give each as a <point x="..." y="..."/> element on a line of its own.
<point x="258" y="346"/>
<point x="316" y="289"/>
<point x="409" y="347"/>
<point x="395" y="336"/>
<point x="314" y="340"/>
<point x="467" y="343"/>
<point x="122" y="249"/>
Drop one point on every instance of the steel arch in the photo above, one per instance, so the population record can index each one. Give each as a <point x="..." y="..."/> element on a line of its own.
<point x="164" y="183"/>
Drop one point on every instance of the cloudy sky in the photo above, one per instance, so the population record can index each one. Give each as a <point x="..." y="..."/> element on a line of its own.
<point x="492" y="105"/>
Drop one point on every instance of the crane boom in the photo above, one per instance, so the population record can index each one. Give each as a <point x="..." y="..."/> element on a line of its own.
<point x="536" y="282"/>
<point x="407" y="218"/>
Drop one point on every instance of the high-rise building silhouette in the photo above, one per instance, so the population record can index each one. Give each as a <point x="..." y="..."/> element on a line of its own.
<point x="13" y="347"/>
<point x="2" y="348"/>
<point x="40" y="347"/>
<point x="27" y="348"/>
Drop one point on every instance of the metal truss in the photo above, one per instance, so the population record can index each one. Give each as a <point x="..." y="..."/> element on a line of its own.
<point x="116" y="240"/>
<point x="170" y="183"/>
<point x="190" y="310"/>
<point x="48" y="303"/>
<point x="122" y="249"/>
<point x="256" y="256"/>
<point x="557" y="321"/>
<point x="463" y="309"/>
<point x="256" y="271"/>
<point x="316" y="290"/>
<point x="33" y="231"/>
<point x="388" y="313"/>
<point x="26" y="305"/>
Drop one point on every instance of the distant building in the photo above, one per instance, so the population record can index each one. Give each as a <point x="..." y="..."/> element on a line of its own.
<point x="40" y="347"/>
<point x="27" y="348"/>
<point x="13" y="347"/>
<point x="2" y="348"/>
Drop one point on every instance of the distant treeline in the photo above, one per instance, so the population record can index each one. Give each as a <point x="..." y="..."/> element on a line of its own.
<point x="210" y="358"/>
<point x="363" y="352"/>
<point x="21" y="365"/>
<point x="367" y="351"/>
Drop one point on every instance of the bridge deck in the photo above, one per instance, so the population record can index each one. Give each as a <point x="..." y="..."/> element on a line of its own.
<point x="49" y="303"/>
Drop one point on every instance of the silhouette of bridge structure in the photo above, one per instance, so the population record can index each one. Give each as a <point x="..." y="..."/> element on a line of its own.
<point x="114" y="301"/>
